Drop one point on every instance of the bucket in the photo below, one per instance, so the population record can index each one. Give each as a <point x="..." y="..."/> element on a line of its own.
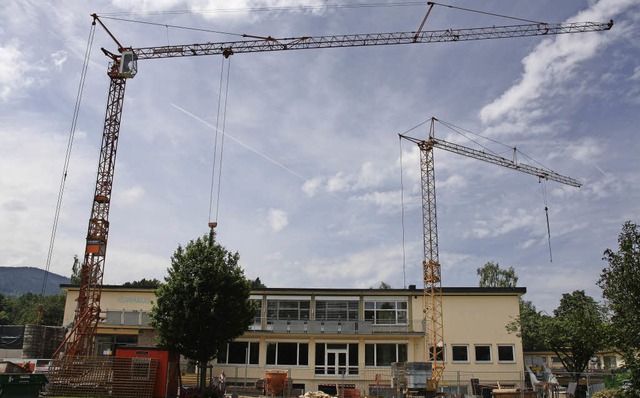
<point x="275" y="382"/>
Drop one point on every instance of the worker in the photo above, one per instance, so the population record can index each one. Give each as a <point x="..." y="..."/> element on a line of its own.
<point x="222" y="379"/>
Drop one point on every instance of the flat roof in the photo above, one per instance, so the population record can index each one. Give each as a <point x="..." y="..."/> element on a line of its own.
<point x="453" y="290"/>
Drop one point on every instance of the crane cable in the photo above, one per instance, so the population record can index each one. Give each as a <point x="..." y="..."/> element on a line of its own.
<point x="546" y="211"/>
<point x="213" y="222"/>
<point x="404" y="276"/>
<point x="65" y="167"/>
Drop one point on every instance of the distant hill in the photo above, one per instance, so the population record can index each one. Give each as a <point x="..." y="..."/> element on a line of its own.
<point x="16" y="281"/>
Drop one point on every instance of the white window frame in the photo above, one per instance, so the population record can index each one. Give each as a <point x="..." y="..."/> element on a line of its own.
<point x="397" y="302"/>
<point x="454" y="360"/>
<point x="375" y="353"/>
<point x="513" y="353"/>
<point x="297" y="343"/>
<point x="475" y="353"/>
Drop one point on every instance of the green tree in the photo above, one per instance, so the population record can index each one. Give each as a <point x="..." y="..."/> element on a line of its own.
<point x="76" y="269"/>
<point x="154" y="283"/>
<point x="576" y="331"/>
<point x="620" y="283"/>
<point x="204" y="303"/>
<point x="384" y="286"/>
<point x="491" y="275"/>
<point x="529" y="326"/>
<point x="5" y="310"/>
<point x="53" y="310"/>
<point x="257" y="284"/>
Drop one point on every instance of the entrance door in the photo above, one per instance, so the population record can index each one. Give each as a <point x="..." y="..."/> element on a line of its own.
<point x="337" y="359"/>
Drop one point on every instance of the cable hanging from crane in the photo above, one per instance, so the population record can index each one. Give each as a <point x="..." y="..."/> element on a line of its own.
<point x="65" y="167"/>
<point x="222" y="106"/>
<point x="543" y="184"/>
<point x="404" y="257"/>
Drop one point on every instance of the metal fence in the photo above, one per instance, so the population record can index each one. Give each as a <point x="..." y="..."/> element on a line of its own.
<point x="102" y="377"/>
<point x="379" y="383"/>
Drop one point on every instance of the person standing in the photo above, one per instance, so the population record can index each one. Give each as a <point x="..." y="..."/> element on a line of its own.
<point x="222" y="381"/>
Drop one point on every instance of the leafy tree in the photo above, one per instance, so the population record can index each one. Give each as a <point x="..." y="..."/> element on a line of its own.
<point x="529" y="326"/>
<point x="154" y="283"/>
<point x="620" y="283"/>
<point x="257" y="284"/>
<point x="76" y="269"/>
<point x="23" y="310"/>
<point x="53" y="310"/>
<point x="491" y="275"/>
<point x="204" y="303"/>
<point x="576" y="332"/>
<point x="5" y="310"/>
<point x="384" y="286"/>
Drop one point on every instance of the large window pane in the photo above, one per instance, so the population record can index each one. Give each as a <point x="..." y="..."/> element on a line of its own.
<point x="483" y="353"/>
<point x="384" y="354"/>
<point x="338" y="310"/>
<point x="386" y="312"/>
<point x="506" y="353"/>
<point x="236" y="353"/>
<point x="294" y="310"/>
<point x="287" y="354"/>
<point x="460" y="353"/>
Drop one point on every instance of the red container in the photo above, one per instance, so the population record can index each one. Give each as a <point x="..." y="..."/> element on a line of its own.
<point x="166" y="384"/>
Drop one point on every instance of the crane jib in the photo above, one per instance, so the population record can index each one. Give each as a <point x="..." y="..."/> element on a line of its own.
<point x="368" y="39"/>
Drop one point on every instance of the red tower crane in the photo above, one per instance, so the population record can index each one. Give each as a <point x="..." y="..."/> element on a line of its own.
<point x="80" y="340"/>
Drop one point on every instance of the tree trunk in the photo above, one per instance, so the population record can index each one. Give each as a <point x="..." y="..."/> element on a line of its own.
<point x="202" y="370"/>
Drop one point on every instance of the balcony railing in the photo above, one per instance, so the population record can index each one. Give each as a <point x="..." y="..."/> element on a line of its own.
<point x="337" y="327"/>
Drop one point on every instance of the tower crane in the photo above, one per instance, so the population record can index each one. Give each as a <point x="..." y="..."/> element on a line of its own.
<point x="432" y="306"/>
<point x="80" y="339"/>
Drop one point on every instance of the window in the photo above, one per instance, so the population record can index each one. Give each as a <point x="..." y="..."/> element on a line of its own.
<point x="460" y="353"/>
<point x="506" y="353"/>
<point x="384" y="354"/>
<point x="287" y="354"/>
<point x="236" y="353"/>
<point x="336" y="310"/>
<point x="288" y="310"/>
<point x="483" y="353"/>
<point x="336" y="359"/>
<point x="257" y="318"/>
<point x="386" y="312"/>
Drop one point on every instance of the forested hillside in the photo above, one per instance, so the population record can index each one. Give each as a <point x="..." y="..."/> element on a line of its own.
<point x="16" y="281"/>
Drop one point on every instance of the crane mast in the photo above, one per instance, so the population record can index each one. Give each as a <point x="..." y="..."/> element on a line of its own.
<point x="434" y="330"/>
<point x="80" y="340"/>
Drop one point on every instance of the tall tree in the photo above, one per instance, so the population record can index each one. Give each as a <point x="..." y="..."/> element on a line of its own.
<point x="529" y="326"/>
<point x="620" y="283"/>
<point x="384" y="286"/>
<point x="76" y="269"/>
<point x="144" y="283"/>
<point x="576" y="332"/>
<point x="204" y="303"/>
<point x="491" y="275"/>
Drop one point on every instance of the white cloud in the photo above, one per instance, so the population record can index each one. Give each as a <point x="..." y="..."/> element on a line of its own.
<point x="550" y="65"/>
<point x="277" y="219"/>
<point x="59" y="58"/>
<point x="13" y="70"/>
<point x="311" y="186"/>
<point x="132" y="195"/>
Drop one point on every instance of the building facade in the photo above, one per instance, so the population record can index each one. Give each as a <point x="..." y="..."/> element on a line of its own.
<point x="341" y="337"/>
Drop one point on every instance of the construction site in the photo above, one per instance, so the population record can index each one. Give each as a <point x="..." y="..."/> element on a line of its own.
<point x="304" y="342"/>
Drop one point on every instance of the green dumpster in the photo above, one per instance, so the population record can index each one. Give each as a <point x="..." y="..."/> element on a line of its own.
<point x="21" y="385"/>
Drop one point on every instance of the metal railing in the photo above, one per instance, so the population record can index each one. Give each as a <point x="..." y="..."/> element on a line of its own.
<point x="337" y="327"/>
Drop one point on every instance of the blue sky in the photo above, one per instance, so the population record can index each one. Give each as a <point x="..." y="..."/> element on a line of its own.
<point x="311" y="192"/>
